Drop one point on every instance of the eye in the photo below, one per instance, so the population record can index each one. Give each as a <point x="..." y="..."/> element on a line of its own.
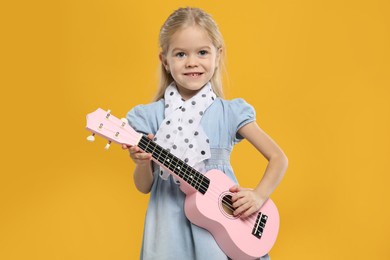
<point x="180" y="54"/>
<point x="203" y="52"/>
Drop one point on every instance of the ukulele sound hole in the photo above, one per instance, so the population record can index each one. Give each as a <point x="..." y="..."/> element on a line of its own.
<point x="227" y="205"/>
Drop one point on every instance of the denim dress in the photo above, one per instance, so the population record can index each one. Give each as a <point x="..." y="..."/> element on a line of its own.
<point x="168" y="234"/>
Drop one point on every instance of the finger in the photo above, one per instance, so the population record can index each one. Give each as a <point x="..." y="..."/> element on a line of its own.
<point x="143" y="156"/>
<point x="248" y="212"/>
<point x="238" y="195"/>
<point x="234" y="188"/>
<point x="147" y="156"/>
<point x="150" y="136"/>
<point x="240" y="202"/>
<point x="241" y="209"/>
<point x="134" y="149"/>
<point x="235" y="197"/>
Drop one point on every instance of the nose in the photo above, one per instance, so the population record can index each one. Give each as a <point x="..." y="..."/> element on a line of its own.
<point x="191" y="61"/>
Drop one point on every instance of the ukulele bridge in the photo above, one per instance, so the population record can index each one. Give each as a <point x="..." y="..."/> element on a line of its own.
<point x="259" y="226"/>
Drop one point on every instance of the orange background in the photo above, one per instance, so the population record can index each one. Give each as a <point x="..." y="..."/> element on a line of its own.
<point x="317" y="73"/>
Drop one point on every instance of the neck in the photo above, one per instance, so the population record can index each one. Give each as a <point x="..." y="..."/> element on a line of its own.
<point x="175" y="166"/>
<point x="187" y="93"/>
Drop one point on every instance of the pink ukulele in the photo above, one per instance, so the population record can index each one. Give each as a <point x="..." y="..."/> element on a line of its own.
<point x="208" y="200"/>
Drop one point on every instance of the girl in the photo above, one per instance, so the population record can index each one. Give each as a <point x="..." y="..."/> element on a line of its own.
<point x="191" y="120"/>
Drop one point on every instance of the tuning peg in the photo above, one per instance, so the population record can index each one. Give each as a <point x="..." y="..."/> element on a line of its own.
<point x="108" y="113"/>
<point x="91" y="138"/>
<point x="124" y="122"/>
<point x="108" y="145"/>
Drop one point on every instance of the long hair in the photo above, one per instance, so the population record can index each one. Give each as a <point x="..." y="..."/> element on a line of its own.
<point x="179" y="19"/>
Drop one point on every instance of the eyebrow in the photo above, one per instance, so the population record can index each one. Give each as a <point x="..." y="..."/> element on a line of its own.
<point x="183" y="49"/>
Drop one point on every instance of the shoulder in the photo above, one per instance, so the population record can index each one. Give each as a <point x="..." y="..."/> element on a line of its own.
<point x="149" y="108"/>
<point x="229" y="116"/>
<point x="147" y="117"/>
<point x="235" y="102"/>
<point x="233" y="106"/>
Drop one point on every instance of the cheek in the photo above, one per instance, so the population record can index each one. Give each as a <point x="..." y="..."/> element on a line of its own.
<point x="216" y="61"/>
<point x="212" y="65"/>
<point x="174" y="65"/>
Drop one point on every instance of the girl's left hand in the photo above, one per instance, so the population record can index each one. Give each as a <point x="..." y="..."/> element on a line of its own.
<point x="245" y="201"/>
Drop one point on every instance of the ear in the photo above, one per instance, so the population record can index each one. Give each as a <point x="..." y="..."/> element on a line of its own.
<point x="219" y="54"/>
<point x="163" y="61"/>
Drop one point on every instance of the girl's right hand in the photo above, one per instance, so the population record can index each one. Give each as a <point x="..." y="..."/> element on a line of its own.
<point x="139" y="157"/>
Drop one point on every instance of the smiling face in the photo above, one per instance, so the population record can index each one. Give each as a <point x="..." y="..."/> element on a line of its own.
<point x="191" y="59"/>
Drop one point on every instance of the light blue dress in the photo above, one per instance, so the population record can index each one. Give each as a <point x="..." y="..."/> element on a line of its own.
<point x="168" y="235"/>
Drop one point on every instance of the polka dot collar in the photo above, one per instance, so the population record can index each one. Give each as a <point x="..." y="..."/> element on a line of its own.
<point x="181" y="132"/>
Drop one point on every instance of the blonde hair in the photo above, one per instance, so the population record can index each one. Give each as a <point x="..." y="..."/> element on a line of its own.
<point x="180" y="19"/>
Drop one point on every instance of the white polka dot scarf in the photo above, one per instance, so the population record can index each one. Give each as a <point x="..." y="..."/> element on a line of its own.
<point x="181" y="132"/>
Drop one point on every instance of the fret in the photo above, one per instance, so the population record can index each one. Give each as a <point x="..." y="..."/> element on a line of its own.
<point x="167" y="161"/>
<point x="147" y="144"/>
<point x="197" y="182"/>
<point x="173" y="164"/>
<point x="165" y="157"/>
<point x="200" y="181"/>
<point x="178" y="168"/>
<point x="205" y="184"/>
<point x="141" y="143"/>
<point x="187" y="178"/>
<point x="186" y="171"/>
<point x="175" y="167"/>
<point x="152" y="152"/>
<point x="191" y="177"/>
<point x="148" y="148"/>
<point x="161" y="149"/>
<point x="171" y="159"/>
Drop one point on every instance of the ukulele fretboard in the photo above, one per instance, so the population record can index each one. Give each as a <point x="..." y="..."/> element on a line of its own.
<point x="176" y="166"/>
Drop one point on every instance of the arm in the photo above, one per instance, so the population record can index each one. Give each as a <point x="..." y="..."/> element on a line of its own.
<point x="143" y="175"/>
<point x="247" y="201"/>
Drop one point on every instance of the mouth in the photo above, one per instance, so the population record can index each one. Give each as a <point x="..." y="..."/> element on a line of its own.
<point x="193" y="74"/>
